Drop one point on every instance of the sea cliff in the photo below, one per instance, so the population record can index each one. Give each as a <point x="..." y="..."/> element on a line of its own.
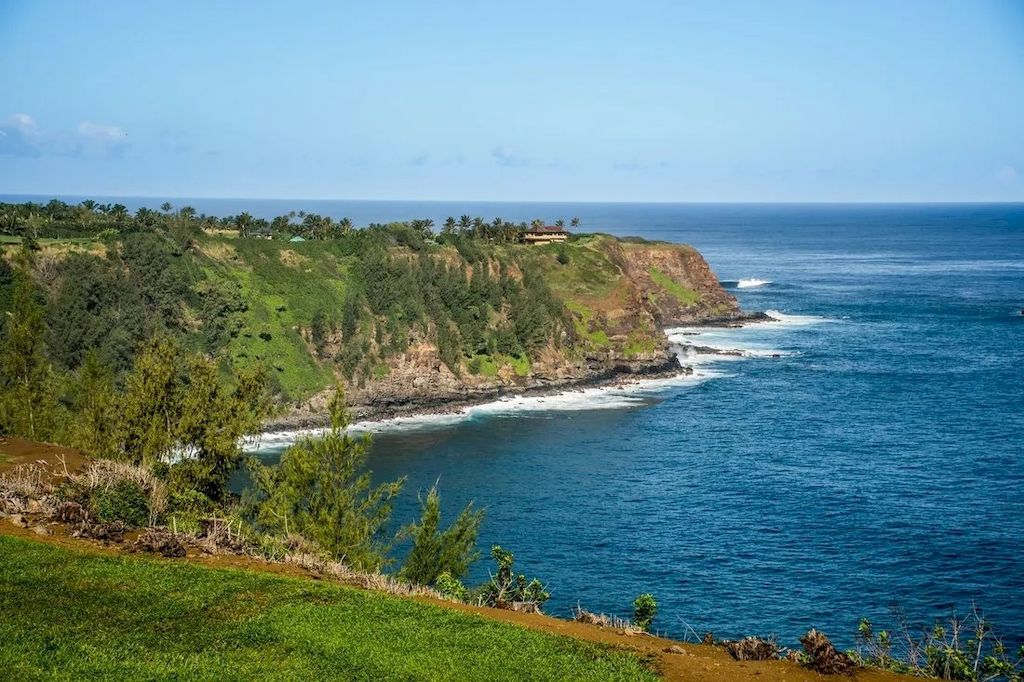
<point x="619" y="296"/>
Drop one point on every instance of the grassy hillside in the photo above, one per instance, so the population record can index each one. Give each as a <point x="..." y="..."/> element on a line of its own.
<point x="76" y="616"/>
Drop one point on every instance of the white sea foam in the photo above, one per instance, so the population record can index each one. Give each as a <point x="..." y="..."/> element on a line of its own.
<point x="629" y="394"/>
<point x="733" y="343"/>
<point x="786" y="320"/>
<point x="752" y="283"/>
<point x="729" y="344"/>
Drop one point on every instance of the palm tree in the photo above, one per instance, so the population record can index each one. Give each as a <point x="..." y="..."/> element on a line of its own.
<point x="8" y="222"/>
<point x="449" y="225"/>
<point x="536" y="224"/>
<point x="166" y="207"/>
<point x="345" y="224"/>
<point x="326" y="227"/>
<point x="89" y="205"/>
<point x="575" y="222"/>
<point x="464" y="222"/>
<point x="243" y="221"/>
<point x="560" y="223"/>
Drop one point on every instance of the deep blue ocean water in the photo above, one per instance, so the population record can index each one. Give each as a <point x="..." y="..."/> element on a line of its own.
<point x="878" y="462"/>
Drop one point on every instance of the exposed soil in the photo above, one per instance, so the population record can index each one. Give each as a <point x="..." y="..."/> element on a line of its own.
<point x="16" y="451"/>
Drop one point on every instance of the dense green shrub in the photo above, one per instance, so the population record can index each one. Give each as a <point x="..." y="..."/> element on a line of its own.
<point x="181" y="498"/>
<point x="644" y="610"/>
<point x="451" y="587"/>
<point x="125" y="501"/>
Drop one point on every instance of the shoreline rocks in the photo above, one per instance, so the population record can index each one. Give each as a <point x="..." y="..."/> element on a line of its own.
<point x="429" y="388"/>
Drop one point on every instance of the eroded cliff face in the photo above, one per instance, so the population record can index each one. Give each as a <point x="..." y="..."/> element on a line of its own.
<point x="692" y="294"/>
<point x="620" y="297"/>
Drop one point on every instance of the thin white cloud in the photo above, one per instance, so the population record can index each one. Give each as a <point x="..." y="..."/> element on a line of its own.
<point x="23" y="120"/>
<point x="20" y="135"/>
<point x="1007" y="175"/>
<point x="505" y="158"/>
<point x="98" y="131"/>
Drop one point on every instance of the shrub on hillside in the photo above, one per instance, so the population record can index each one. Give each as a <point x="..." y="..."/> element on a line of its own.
<point x="644" y="610"/>
<point x="118" y="491"/>
<point x="957" y="649"/>
<point x="322" y="490"/>
<point x="507" y="590"/>
<point x="451" y="587"/>
<point x="124" y="501"/>
<point x="435" y="552"/>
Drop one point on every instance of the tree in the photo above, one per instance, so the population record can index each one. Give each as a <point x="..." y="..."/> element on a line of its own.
<point x="449" y="225"/>
<point x="119" y="212"/>
<point x="86" y="301"/>
<point x="176" y="403"/>
<point x="212" y="421"/>
<point x="243" y="222"/>
<point x="433" y="552"/>
<point x="150" y="407"/>
<point x="560" y="223"/>
<point x="575" y="222"/>
<point x="318" y="331"/>
<point x="322" y="490"/>
<point x="28" y="405"/>
<point x="166" y="207"/>
<point x="94" y="407"/>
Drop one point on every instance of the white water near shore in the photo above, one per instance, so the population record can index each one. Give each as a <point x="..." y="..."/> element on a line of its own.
<point x="731" y="344"/>
<point x="619" y="396"/>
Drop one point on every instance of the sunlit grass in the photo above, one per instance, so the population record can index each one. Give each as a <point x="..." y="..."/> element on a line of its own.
<point x="84" y="616"/>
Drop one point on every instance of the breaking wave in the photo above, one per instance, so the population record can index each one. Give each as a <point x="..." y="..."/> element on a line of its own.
<point x="700" y="348"/>
<point x="752" y="283"/>
<point x="629" y="394"/>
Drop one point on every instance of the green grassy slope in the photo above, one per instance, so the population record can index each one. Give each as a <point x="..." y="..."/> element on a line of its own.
<point x="283" y="286"/>
<point x="81" y="616"/>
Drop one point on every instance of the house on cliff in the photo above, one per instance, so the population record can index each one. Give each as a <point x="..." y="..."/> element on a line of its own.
<point x="545" y="234"/>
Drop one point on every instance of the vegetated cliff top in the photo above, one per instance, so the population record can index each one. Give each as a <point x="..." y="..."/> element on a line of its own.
<point x="362" y="305"/>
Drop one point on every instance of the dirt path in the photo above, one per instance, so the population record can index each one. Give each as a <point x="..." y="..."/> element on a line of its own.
<point x="696" y="663"/>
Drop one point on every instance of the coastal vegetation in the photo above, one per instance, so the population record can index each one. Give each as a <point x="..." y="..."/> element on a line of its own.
<point x="313" y="300"/>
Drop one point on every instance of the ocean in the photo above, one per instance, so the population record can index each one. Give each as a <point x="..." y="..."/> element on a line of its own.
<point x="864" y="454"/>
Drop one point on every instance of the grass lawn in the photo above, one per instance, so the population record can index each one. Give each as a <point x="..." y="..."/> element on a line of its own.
<point x="78" y="615"/>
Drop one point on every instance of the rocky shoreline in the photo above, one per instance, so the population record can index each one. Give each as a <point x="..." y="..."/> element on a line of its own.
<point x="449" y="403"/>
<point x="596" y="375"/>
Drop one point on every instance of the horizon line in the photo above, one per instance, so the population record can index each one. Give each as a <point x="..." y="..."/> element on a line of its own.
<point x="168" y="197"/>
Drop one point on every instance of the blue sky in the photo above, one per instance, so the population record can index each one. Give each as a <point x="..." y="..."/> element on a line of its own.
<point x="624" y="101"/>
